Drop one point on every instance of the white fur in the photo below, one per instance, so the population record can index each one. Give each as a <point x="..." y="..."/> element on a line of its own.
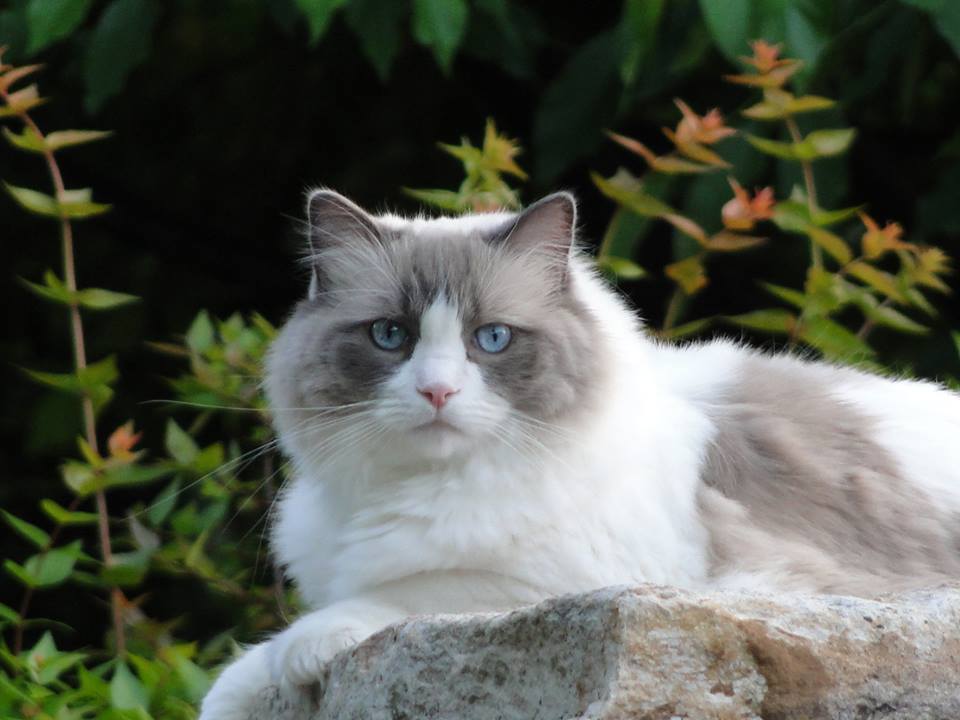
<point x="496" y="513"/>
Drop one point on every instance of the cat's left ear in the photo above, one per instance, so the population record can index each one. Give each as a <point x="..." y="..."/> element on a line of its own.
<point x="335" y="220"/>
<point x="547" y="227"/>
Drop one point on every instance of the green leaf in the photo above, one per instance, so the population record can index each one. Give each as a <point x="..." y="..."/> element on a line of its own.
<point x="621" y="268"/>
<point x="56" y="666"/>
<point x="60" y="139"/>
<point x="628" y="191"/>
<point x="877" y="279"/>
<point x="54" y="566"/>
<point x="119" y="43"/>
<point x="20" y="573"/>
<point x="443" y="199"/>
<point x="832" y="339"/>
<point x="162" y="505"/>
<point x="566" y="130"/>
<point x="133" y="475"/>
<point x="778" y="105"/>
<point x="638" y="29"/>
<point x="51" y="20"/>
<point x="20" y="101"/>
<point x="945" y="15"/>
<point x="93" y="380"/>
<point x="378" y="27"/>
<point x="773" y="320"/>
<point x="688" y="273"/>
<point x="195" y="680"/>
<point x="54" y="290"/>
<point x="126" y="690"/>
<point x="818" y="144"/>
<point x="79" y="477"/>
<point x="27" y="140"/>
<point x="794" y="216"/>
<point x="729" y="24"/>
<point x="179" y="444"/>
<point x="78" y="205"/>
<point x="440" y="25"/>
<point x="201" y="335"/>
<point x="99" y="299"/>
<point x="75" y="204"/>
<point x="794" y="297"/>
<point x="318" y="13"/>
<point x="127" y="569"/>
<point x="686" y="329"/>
<point x="8" y="614"/>
<point x="63" y="516"/>
<point x="35" y="535"/>
<point x="833" y="244"/>
<point x="884" y="315"/>
<point x="33" y="201"/>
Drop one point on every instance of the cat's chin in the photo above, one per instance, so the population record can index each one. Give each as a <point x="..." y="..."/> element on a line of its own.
<point x="438" y="440"/>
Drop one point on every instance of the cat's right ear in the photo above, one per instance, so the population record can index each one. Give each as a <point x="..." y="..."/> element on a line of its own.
<point x="333" y="221"/>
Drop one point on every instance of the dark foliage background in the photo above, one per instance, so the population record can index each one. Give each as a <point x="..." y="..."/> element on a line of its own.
<point x="225" y="111"/>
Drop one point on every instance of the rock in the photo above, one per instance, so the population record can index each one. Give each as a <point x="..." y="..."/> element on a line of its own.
<point x="654" y="653"/>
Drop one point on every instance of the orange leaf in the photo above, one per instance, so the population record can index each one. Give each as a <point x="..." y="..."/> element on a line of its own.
<point x="122" y="440"/>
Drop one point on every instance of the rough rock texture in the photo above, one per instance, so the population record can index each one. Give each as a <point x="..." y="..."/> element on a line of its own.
<point x="653" y="652"/>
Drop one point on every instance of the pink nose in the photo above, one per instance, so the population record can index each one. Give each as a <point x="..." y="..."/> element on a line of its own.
<point x="437" y="394"/>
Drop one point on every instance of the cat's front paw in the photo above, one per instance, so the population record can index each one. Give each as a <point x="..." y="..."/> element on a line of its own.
<point x="238" y="687"/>
<point x="299" y="654"/>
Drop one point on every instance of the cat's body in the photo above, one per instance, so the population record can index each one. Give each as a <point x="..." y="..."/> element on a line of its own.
<point x="440" y="477"/>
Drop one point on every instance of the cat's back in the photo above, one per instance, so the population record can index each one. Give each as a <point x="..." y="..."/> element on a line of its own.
<point x="820" y="477"/>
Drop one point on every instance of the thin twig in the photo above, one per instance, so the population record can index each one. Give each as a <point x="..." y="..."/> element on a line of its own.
<point x="80" y="362"/>
<point x="812" y="206"/>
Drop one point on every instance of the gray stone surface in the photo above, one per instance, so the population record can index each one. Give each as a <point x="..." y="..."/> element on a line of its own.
<point x="654" y="653"/>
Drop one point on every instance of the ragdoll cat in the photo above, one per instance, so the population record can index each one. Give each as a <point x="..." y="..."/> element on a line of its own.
<point x="477" y="422"/>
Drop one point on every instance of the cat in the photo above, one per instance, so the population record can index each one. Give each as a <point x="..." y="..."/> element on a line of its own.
<point x="477" y="421"/>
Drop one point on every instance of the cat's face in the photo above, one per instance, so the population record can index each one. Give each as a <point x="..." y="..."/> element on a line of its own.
<point x="433" y="336"/>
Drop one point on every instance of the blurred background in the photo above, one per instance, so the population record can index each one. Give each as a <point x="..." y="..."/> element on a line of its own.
<point x="223" y="113"/>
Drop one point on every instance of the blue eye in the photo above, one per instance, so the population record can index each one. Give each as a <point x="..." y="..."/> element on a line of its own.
<point x="388" y="334"/>
<point x="493" y="338"/>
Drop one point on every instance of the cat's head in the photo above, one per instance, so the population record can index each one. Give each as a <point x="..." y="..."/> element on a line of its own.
<point x="432" y="337"/>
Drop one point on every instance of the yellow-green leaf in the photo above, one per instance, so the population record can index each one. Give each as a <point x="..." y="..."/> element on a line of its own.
<point x="27" y="140"/>
<point x="33" y="201"/>
<point x="31" y="532"/>
<point x="688" y="273"/>
<point x="63" y="516"/>
<point x="100" y="299"/>
<point x="687" y="329"/>
<point x="725" y="241"/>
<point x="21" y="101"/>
<point x="832" y="339"/>
<point x="794" y="297"/>
<point x="621" y="268"/>
<point x="773" y="320"/>
<point x="879" y="280"/>
<point x="835" y="246"/>
<point x="69" y="138"/>
<point x="818" y="144"/>
<point x="628" y="191"/>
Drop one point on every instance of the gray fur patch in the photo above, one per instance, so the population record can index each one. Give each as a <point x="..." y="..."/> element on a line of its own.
<point x="795" y="485"/>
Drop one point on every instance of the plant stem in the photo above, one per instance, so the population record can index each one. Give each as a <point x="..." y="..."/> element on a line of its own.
<point x="869" y="324"/>
<point x="80" y="362"/>
<point x="816" y="252"/>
